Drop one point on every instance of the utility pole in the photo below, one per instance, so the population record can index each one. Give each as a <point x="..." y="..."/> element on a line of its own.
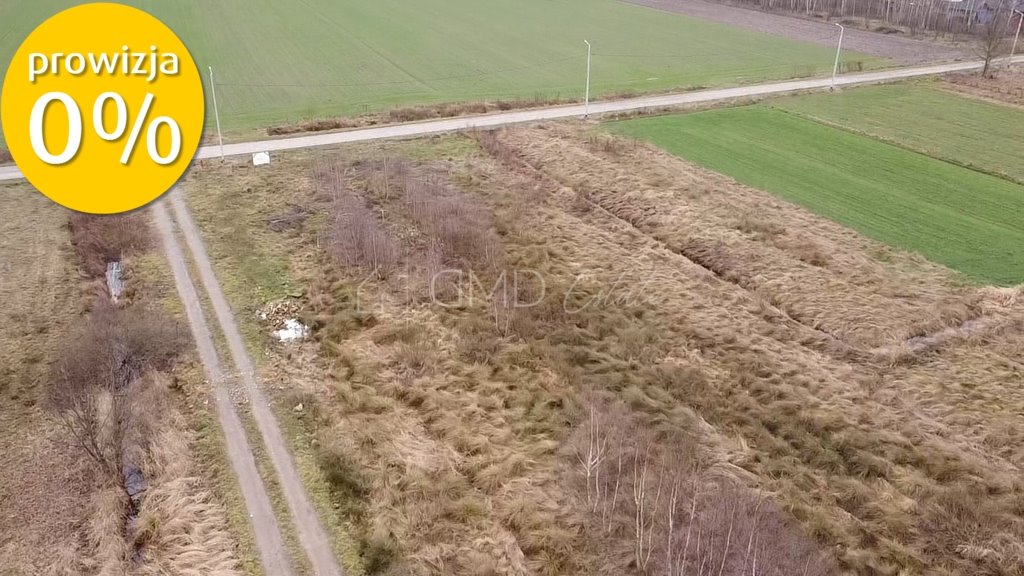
<point x="216" y="113"/>
<point x="1013" y="50"/>
<point x="586" y="100"/>
<point x="839" y="49"/>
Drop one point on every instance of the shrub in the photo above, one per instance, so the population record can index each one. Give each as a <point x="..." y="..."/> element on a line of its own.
<point x="93" y="385"/>
<point x="99" y="240"/>
<point x="321" y="125"/>
<point x="359" y="239"/>
<point x="461" y="226"/>
<point x="356" y="237"/>
<point x="112" y="347"/>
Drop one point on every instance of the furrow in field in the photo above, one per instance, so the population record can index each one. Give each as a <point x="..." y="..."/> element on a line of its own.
<point x="816" y="272"/>
<point x="859" y="459"/>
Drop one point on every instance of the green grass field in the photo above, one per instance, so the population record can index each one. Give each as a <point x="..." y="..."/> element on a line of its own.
<point x="288" y="60"/>
<point x="924" y="118"/>
<point x="966" y="220"/>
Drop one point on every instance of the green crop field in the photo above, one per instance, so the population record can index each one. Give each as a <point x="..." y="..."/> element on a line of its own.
<point x="927" y="119"/>
<point x="286" y="60"/>
<point x="967" y="220"/>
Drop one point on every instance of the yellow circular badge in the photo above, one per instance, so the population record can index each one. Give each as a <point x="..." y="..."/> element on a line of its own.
<point x="102" y="108"/>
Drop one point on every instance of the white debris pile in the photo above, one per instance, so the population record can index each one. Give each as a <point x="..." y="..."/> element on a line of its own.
<point x="293" y="331"/>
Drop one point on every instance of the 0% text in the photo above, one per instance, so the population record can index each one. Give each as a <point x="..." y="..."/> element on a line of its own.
<point x="108" y="129"/>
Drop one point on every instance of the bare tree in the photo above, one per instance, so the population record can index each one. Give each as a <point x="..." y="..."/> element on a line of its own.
<point x="93" y="392"/>
<point x="991" y="41"/>
<point x="591" y="458"/>
<point x="683" y="519"/>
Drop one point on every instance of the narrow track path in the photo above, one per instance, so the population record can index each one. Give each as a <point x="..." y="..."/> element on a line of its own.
<point x="304" y="516"/>
<point x="273" y="554"/>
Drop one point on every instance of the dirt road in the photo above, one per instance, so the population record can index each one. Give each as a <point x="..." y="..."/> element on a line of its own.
<point x="304" y="516"/>
<point x="265" y="525"/>
<point x="273" y="554"/>
<point x="900" y="48"/>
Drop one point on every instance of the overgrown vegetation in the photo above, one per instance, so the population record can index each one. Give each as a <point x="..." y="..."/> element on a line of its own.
<point x="413" y="114"/>
<point x="1007" y="86"/>
<point x="52" y="481"/>
<point x="655" y="497"/>
<point x="99" y="241"/>
<point x="97" y="386"/>
<point x="491" y="482"/>
<point x="110" y="390"/>
<point x="795" y="411"/>
<point x="760" y="351"/>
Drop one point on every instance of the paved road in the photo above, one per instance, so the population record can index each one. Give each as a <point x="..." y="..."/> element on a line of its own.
<point x="556" y="112"/>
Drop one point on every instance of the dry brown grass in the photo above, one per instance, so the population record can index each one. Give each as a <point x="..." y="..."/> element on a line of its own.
<point x="441" y="431"/>
<point x="454" y="508"/>
<point x="44" y="486"/>
<point x="60" y="514"/>
<point x="1006" y="87"/>
<point x="5" y="157"/>
<point x="413" y="114"/>
<point x="180" y="529"/>
<point x="854" y="450"/>
<point x="447" y="433"/>
<point x="804" y="268"/>
<point x="322" y="125"/>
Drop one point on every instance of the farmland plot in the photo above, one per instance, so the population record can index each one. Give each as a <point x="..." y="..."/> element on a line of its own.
<point x="286" y="61"/>
<point x="958" y="217"/>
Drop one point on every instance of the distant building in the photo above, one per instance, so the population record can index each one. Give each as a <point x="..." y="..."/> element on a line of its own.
<point x="985" y="14"/>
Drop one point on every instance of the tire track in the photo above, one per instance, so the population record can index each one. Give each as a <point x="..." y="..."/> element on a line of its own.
<point x="307" y="523"/>
<point x="273" y="554"/>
